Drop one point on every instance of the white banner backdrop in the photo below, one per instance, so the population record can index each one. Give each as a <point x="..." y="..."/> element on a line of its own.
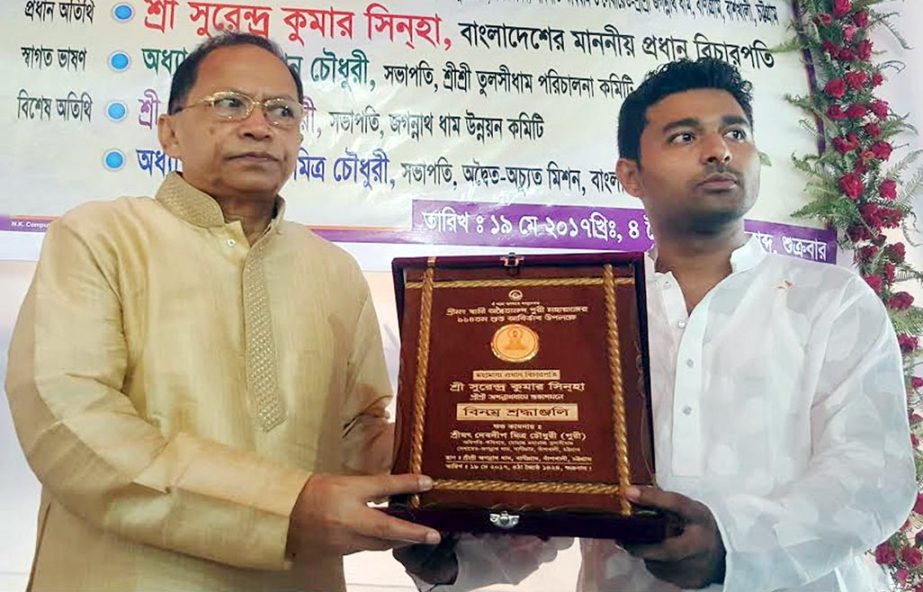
<point x="471" y="122"/>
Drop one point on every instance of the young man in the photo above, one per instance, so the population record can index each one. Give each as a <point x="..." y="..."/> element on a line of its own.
<point x="193" y="379"/>
<point x="781" y="431"/>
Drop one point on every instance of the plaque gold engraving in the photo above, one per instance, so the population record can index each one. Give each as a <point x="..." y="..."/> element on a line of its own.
<point x="515" y="343"/>
<point x="523" y="394"/>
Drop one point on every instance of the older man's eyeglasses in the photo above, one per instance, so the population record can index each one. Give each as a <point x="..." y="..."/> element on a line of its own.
<point x="234" y="106"/>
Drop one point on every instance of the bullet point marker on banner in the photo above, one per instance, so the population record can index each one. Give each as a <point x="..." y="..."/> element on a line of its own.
<point x="123" y="12"/>
<point x="114" y="160"/>
<point x="119" y="61"/>
<point x="116" y="111"/>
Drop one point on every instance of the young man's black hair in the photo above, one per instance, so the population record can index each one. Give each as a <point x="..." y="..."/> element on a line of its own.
<point x="672" y="78"/>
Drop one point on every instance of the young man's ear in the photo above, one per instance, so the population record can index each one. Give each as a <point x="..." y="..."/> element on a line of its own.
<point x="166" y="133"/>
<point x="629" y="173"/>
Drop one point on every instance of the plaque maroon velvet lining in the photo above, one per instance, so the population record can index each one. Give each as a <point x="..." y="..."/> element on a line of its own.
<point x="493" y="426"/>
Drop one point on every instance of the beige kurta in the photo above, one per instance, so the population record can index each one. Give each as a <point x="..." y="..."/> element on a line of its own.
<point x="173" y="388"/>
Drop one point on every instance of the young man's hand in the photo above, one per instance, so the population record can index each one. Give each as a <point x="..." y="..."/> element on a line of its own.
<point x="433" y="564"/>
<point x="693" y="559"/>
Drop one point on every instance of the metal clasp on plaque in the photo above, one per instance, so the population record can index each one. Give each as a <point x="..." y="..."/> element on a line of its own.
<point x="504" y="520"/>
<point x="512" y="262"/>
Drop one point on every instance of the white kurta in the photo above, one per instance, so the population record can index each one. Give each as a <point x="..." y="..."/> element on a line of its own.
<point x="779" y="403"/>
<point x="174" y="387"/>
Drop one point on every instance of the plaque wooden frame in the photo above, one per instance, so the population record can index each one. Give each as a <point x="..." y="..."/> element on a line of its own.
<point x="518" y="504"/>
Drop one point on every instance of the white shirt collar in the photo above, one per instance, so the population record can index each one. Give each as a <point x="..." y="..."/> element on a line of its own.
<point x="745" y="257"/>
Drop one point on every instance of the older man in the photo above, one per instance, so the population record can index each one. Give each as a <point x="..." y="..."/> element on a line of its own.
<point x="195" y="381"/>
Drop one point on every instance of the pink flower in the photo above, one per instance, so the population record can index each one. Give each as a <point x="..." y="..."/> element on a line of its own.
<point x="916" y="383"/>
<point x="901" y="575"/>
<point x="897" y="252"/>
<point x="918" y="506"/>
<point x="841" y="8"/>
<point x="885" y="555"/>
<point x="912" y="556"/>
<point x="900" y="301"/>
<point x="908" y="345"/>
<point x="878" y="107"/>
<point x="852" y="186"/>
<point x="846" y="144"/>
<point x="882" y="150"/>
<point x="836" y="88"/>
<point x="830" y="48"/>
<point x="836" y="113"/>
<point x="861" y="18"/>
<point x="890" y="217"/>
<point x="866" y="254"/>
<point x="849" y="31"/>
<point x="888" y="189"/>
<point x="858" y="233"/>
<point x="877" y="78"/>
<point x="877" y="218"/>
<point x="846" y="55"/>
<point x="856" y="111"/>
<point x="875" y="282"/>
<point x="856" y="79"/>
<point x="872" y="128"/>
<point x="889" y="270"/>
<point x="826" y="19"/>
<point x="864" y="50"/>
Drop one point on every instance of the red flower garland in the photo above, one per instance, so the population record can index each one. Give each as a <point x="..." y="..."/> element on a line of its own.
<point x="857" y="127"/>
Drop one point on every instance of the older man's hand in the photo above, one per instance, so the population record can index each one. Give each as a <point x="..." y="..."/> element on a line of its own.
<point x="331" y="516"/>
